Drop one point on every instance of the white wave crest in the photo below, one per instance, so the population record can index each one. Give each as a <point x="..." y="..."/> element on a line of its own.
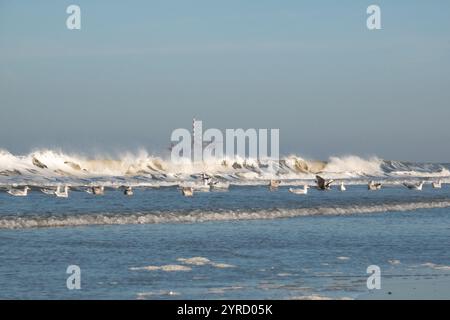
<point x="24" y="222"/>
<point x="41" y="166"/>
<point x="353" y="165"/>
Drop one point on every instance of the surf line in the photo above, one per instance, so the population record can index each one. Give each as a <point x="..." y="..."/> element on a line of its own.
<point x="197" y="310"/>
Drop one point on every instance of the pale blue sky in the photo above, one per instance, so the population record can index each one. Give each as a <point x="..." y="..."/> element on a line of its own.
<point x="139" y="69"/>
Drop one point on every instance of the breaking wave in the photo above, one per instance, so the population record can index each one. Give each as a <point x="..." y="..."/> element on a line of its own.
<point x="195" y="216"/>
<point x="49" y="167"/>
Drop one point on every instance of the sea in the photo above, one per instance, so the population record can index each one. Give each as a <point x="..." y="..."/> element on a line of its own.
<point x="247" y="241"/>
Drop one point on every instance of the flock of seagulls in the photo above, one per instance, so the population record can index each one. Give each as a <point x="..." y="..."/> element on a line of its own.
<point x="208" y="184"/>
<point x="211" y="185"/>
<point x="60" y="192"/>
<point x="323" y="184"/>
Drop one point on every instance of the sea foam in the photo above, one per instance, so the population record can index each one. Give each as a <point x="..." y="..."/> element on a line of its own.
<point x="196" y="216"/>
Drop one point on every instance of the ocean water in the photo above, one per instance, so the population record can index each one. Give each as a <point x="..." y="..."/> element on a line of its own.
<point x="247" y="243"/>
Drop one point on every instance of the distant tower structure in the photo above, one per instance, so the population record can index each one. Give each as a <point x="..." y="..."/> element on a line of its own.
<point x="197" y="143"/>
<point x="197" y="140"/>
<point x="193" y="133"/>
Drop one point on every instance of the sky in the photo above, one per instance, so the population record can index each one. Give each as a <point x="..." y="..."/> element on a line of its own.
<point x="137" y="70"/>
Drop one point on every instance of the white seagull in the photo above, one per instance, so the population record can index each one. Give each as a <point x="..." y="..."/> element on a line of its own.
<point x="414" y="186"/>
<point x="19" y="192"/>
<point x="342" y="187"/>
<point x="300" y="191"/>
<point x="437" y="185"/>
<point x="50" y="192"/>
<point x="62" y="194"/>
<point x="204" y="186"/>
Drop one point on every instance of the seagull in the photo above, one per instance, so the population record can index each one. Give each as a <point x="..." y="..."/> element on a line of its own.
<point x="128" y="191"/>
<point x="414" y="186"/>
<point x="342" y="187"/>
<point x="206" y="179"/>
<point x="187" y="191"/>
<point x="50" y="192"/>
<point x="62" y="194"/>
<point x="274" y="184"/>
<point x="204" y="186"/>
<point x="96" y="190"/>
<point x="437" y="185"/>
<point x="201" y="187"/>
<point x="219" y="186"/>
<point x="323" y="184"/>
<point x="18" y="192"/>
<point x="300" y="191"/>
<point x="374" y="186"/>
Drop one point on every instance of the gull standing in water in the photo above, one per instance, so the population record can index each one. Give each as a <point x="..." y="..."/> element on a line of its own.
<point x="300" y="191"/>
<point x="274" y="184"/>
<point x="96" y="190"/>
<point x="187" y="191"/>
<point x="437" y="185"/>
<point x="205" y="185"/>
<point x="374" y="186"/>
<point x="342" y="187"/>
<point x="219" y="186"/>
<point x="62" y="194"/>
<point x="128" y="191"/>
<point x="414" y="186"/>
<point x="50" y="192"/>
<point x="18" y="192"/>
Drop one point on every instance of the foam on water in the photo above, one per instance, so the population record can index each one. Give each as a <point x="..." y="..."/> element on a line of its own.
<point x="436" y="266"/>
<point x="202" y="261"/>
<point x="196" y="261"/>
<point x="152" y="294"/>
<point x="343" y="258"/>
<point x="167" y="268"/>
<point x="50" y="167"/>
<point x="311" y="297"/>
<point x="223" y="290"/>
<point x="194" y="216"/>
